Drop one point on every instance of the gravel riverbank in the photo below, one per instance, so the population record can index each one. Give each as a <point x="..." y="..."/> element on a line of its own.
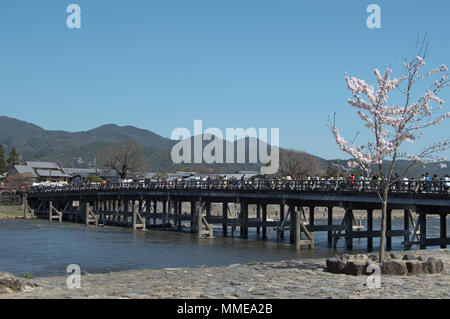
<point x="297" y="278"/>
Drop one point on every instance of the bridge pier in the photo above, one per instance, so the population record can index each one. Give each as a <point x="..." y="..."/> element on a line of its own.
<point x="282" y="206"/>
<point x="292" y="224"/>
<point x="164" y="213"/>
<point x="225" y="219"/>
<point x="443" y="229"/>
<point x="208" y="211"/>
<point x="193" y="213"/>
<point x="330" y="224"/>
<point x="423" y="230"/>
<point x="311" y="216"/>
<point x="155" y="211"/>
<point x="180" y="214"/>
<point x="388" y="229"/>
<point x="370" y="229"/>
<point x="264" y="217"/>
<point x="202" y="221"/>
<point x="244" y="222"/>
<point x="258" y="217"/>
<point x="349" y="228"/>
<point x="406" y="216"/>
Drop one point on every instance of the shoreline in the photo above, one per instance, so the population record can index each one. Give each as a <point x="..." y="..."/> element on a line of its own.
<point x="295" y="278"/>
<point x="4" y="216"/>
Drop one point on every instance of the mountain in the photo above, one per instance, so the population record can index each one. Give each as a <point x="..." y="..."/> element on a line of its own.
<point x="79" y="149"/>
<point x="33" y="142"/>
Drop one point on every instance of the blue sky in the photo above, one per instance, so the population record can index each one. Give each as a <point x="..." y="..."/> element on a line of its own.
<point x="159" y="65"/>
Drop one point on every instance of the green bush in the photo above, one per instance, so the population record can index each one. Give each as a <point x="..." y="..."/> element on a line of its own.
<point x="93" y="179"/>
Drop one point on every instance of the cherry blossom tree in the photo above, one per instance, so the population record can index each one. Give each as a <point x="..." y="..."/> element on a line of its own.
<point x="394" y="124"/>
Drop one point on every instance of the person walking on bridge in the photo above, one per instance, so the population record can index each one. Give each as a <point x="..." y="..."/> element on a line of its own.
<point x="447" y="183"/>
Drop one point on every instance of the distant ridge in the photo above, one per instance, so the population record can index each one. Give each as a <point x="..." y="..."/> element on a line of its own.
<point x="35" y="143"/>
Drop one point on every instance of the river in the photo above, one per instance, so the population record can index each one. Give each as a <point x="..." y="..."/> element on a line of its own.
<point x="41" y="248"/>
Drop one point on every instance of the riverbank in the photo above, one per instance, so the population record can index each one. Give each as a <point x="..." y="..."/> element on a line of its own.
<point x="11" y="215"/>
<point x="11" y="212"/>
<point x="296" y="278"/>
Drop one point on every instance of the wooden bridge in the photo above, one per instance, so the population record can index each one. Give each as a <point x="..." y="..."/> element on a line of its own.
<point x="160" y="205"/>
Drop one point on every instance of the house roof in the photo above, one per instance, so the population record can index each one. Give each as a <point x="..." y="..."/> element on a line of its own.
<point x="22" y="169"/>
<point x="84" y="172"/>
<point x="42" y="165"/>
<point x="50" y="173"/>
<point x="80" y="171"/>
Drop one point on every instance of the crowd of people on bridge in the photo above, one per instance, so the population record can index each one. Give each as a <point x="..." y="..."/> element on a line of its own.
<point x="425" y="183"/>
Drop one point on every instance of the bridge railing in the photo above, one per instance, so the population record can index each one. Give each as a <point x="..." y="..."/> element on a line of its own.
<point x="262" y="185"/>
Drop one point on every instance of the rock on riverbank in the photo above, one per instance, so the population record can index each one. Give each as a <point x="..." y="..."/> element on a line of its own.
<point x="298" y="278"/>
<point x="359" y="264"/>
<point x="12" y="284"/>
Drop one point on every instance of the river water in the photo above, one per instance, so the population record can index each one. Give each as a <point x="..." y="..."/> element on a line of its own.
<point x="46" y="249"/>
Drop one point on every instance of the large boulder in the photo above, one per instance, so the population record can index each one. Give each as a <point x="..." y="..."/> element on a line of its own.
<point x="432" y="266"/>
<point x="394" y="267"/>
<point x="10" y="283"/>
<point x="414" y="267"/>
<point x="354" y="268"/>
<point x="335" y="265"/>
<point x="357" y="265"/>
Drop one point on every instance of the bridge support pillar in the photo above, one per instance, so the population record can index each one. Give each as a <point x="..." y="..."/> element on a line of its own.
<point x="147" y="213"/>
<point x="311" y="216"/>
<point x="370" y="229"/>
<point x="349" y="228"/>
<point x="264" y="218"/>
<point x="134" y="215"/>
<point x="292" y="224"/>
<point x="388" y="229"/>
<point x="193" y="210"/>
<point x="422" y="230"/>
<point x="50" y="211"/>
<point x="155" y="211"/>
<point x="330" y="224"/>
<point x="164" y="213"/>
<point x="406" y="214"/>
<point x="281" y="219"/>
<point x="124" y="216"/>
<point x="225" y="219"/>
<point x="180" y="213"/>
<point x="208" y="211"/>
<point x="25" y="207"/>
<point x="258" y="216"/>
<point x="298" y="233"/>
<point x="86" y="213"/>
<point x="201" y="221"/>
<point x="443" y="230"/>
<point x="244" y="220"/>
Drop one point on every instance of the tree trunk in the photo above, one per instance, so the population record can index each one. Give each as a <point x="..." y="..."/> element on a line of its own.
<point x="383" y="223"/>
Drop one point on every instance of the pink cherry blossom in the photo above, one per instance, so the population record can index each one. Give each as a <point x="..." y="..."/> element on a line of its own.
<point x="394" y="124"/>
